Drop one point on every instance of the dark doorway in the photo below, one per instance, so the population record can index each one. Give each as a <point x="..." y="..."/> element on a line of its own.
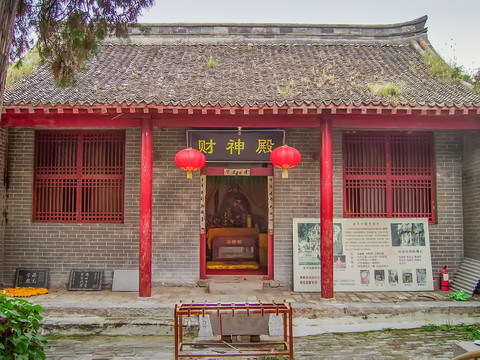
<point x="236" y="225"/>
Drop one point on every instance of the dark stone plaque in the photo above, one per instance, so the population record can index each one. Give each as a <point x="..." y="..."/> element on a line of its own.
<point x="88" y="280"/>
<point x="37" y="278"/>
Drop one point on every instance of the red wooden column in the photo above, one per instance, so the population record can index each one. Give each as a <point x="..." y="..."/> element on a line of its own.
<point x="145" y="260"/>
<point x="326" y="208"/>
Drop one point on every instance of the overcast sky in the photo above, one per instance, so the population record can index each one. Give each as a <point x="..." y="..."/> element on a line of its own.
<point x="453" y="25"/>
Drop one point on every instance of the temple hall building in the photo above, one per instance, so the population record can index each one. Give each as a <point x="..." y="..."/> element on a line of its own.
<point x="386" y="192"/>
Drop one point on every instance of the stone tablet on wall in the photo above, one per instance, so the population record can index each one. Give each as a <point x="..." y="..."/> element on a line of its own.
<point x="36" y="278"/>
<point x="87" y="280"/>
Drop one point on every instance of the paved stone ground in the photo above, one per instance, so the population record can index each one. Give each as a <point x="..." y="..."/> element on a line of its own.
<point x="169" y="296"/>
<point x="394" y="344"/>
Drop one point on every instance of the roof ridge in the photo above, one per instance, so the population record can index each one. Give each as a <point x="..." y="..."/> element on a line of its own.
<point x="418" y="21"/>
<point x="277" y="32"/>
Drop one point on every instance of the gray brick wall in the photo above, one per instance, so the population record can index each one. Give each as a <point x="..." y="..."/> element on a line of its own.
<point x="446" y="237"/>
<point x="295" y="197"/>
<point x="176" y="211"/>
<point x="471" y="194"/>
<point x="3" y="182"/>
<point x="293" y="200"/>
<point x="63" y="247"/>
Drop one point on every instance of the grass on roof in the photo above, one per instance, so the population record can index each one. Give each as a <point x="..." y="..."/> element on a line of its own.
<point x="385" y="89"/>
<point x="439" y="67"/>
<point x="211" y="62"/>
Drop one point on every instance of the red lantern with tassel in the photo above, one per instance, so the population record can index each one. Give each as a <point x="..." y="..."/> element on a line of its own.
<point x="190" y="160"/>
<point x="285" y="157"/>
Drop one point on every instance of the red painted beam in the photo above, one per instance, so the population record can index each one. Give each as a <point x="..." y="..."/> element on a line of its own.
<point x="326" y="209"/>
<point x="233" y="121"/>
<point x="68" y="120"/>
<point x="145" y="250"/>
<point x="413" y="122"/>
<point x="402" y="122"/>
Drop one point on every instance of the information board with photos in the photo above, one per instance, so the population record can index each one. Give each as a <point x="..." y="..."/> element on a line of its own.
<point x="368" y="255"/>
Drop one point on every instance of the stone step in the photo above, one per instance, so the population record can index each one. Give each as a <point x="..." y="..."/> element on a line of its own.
<point x="242" y="285"/>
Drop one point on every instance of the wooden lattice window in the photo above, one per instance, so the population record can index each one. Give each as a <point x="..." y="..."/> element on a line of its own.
<point x="79" y="176"/>
<point x="388" y="174"/>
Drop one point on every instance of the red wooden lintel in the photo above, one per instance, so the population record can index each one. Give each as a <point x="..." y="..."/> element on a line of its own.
<point x="67" y="120"/>
<point x="248" y="117"/>
<point x="412" y="122"/>
<point x="254" y="171"/>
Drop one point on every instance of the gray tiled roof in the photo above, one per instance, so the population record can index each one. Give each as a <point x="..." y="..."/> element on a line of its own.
<point x="254" y="65"/>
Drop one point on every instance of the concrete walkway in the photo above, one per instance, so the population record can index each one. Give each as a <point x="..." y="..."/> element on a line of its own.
<point x="124" y="313"/>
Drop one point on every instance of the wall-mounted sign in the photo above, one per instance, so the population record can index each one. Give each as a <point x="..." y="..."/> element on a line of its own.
<point x="236" y="172"/>
<point x="231" y="146"/>
<point x="368" y="255"/>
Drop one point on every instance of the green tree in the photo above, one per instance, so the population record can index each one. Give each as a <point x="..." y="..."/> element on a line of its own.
<point x="66" y="32"/>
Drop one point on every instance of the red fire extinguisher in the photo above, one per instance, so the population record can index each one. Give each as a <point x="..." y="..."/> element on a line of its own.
<point x="445" y="281"/>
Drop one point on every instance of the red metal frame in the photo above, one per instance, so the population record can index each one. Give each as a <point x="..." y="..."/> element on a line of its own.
<point x="79" y="176"/>
<point x="259" y="309"/>
<point x="389" y="174"/>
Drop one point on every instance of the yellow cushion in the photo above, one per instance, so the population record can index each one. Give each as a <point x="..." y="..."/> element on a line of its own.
<point x="220" y="265"/>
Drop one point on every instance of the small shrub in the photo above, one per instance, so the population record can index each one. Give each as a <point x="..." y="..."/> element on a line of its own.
<point x="476" y="82"/>
<point x="20" y="332"/>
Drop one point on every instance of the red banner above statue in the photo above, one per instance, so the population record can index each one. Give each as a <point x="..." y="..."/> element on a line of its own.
<point x="236" y="145"/>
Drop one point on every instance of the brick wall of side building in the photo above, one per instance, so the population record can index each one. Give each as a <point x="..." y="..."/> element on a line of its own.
<point x="3" y="184"/>
<point x="471" y="194"/>
<point x="446" y="237"/>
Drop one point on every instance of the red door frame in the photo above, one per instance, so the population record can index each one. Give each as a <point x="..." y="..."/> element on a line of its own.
<point x="219" y="171"/>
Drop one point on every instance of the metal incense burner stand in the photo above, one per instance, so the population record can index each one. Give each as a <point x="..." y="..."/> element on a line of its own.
<point x="261" y="348"/>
